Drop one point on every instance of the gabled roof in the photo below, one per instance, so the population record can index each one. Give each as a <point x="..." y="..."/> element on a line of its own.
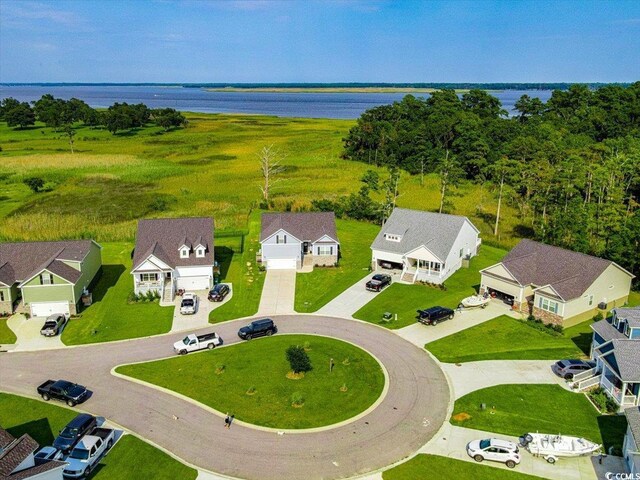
<point x="624" y="359"/>
<point x="569" y="273"/>
<point x="436" y="231"/>
<point x="305" y="226"/>
<point x="163" y="237"/>
<point x="631" y="315"/>
<point x="633" y="420"/>
<point x="23" y="260"/>
<point x="15" y="453"/>
<point x="607" y="331"/>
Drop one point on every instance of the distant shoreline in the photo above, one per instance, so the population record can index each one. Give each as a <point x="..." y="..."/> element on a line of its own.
<point x="333" y="90"/>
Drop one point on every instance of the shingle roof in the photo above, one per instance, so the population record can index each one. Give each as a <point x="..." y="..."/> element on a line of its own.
<point x="436" y="231"/>
<point x="20" y="261"/>
<point x="607" y="331"/>
<point x="33" y="471"/>
<point x="625" y="359"/>
<point x="305" y="226"/>
<point x="631" y="315"/>
<point x="569" y="273"/>
<point x="162" y="237"/>
<point x="633" y="419"/>
<point x="5" y="438"/>
<point x="15" y="453"/>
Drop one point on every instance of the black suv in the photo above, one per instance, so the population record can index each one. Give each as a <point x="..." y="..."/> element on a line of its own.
<point x="433" y="315"/>
<point x="378" y="282"/>
<point x="258" y="328"/>
<point x="74" y="431"/>
<point x="218" y="292"/>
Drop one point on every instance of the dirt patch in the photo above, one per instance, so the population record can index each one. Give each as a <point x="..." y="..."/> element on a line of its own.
<point x="461" y="417"/>
<point x="295" y="376"/>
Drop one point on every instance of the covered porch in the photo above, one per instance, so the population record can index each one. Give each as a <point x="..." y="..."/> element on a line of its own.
<point x="426" y="270"/>
<point x="161" y="282"/>
<point x="626" y="394"/>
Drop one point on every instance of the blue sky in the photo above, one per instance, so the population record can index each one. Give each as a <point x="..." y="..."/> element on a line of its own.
<point x="319" y="41"/>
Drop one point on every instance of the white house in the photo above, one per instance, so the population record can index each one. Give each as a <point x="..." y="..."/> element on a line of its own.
<point x="425" y="246"/>
<point x="173" y="254"/>
<point x="17" y="460"/>
<point x="631" y="446"/>
<point x="290" y="240"/>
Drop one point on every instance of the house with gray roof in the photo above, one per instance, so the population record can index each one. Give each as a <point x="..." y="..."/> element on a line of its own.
<point x="48" y="277"/>
<point x="291" y="240"/>
<point x="631" y="444"/>
<point x="616" y="350"/>
<point x="424" y="246"/>
<point x="556" y="285"/>
<point x="173" y="254"/>
<point x="17" y="460"/>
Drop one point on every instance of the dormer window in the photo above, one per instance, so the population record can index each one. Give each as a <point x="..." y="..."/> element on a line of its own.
<point x="200" y="252"/>
<point x="184" y="252"/>
<point x="392" y="237"/>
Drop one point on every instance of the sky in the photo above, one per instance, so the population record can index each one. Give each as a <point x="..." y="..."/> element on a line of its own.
<point x="274" y="41"/>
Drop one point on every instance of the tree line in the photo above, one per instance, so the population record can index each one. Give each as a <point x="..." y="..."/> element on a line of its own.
<point x="570" y="165"/>
<point x="60" y="114"/>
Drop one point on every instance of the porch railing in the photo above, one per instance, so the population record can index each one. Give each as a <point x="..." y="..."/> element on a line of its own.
<point x="586" y="374"/>
<point x="611" y="389"/>
<point x="588" y="383"/>
<point x="629" y="400"/>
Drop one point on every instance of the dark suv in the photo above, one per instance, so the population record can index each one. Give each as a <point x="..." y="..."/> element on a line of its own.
<point x="74" y="431"/>
<point x="258" y="328"/>
<point x="433" y="315"/>
<point x="378" y="282"/>
<point x="218" y="292"/>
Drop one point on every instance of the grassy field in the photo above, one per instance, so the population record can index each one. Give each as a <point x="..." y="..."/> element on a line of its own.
<point x="7" y="336"/>
<point x="237" y="258"/>
<point x="209" y="168"/>
<point x="505" y="338"/>
<point x="111" y="317"/>
<point x="435" y="466"/>
<point x="404" y="299"/>
<point x="261" y="365"/>
<point x="545" y="408"/>
<point x="317" y="288"/>
<point x="129" y="458"/>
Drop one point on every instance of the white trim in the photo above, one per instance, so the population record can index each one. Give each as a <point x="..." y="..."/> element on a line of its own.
<point x="279" y="231"/>
<point x="427" y="249"/>
<point x="21" y="285"/>
<point x="155" y="261"/>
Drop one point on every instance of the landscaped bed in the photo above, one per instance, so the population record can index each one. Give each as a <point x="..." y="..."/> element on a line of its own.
<point x="404" y="300"/>
<point x="436" y="467"/>
<point x="518" y="409"/>
<point x="506" y="338"/>
<point x="112" y="316"/>
<point x="250" y="381"/>
<point x="129" y="458"/>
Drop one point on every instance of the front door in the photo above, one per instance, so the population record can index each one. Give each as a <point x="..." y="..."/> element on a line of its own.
<point x="305" y="247"/>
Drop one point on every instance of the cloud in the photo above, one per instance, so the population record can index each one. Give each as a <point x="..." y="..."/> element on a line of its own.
<point x="26" y="12"/>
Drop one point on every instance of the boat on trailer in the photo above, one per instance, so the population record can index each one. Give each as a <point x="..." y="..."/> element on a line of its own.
<point x="551" y="447"/>
<point x="475" y="301"/>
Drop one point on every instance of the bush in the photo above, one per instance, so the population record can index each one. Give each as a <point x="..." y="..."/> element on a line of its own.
<point x="603" y="401"/>
<point x="538" y="324"/>
<point x="34" y="183"/>
<point x="597" y="317"/>
<point x="298" y="359"/>
<point x="297" y="399"/>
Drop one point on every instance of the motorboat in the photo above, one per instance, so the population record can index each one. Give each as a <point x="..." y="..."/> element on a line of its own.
<point x="475" y="301"/>
<point x="550" y="446"/>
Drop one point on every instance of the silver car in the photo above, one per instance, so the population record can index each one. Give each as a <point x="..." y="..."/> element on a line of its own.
<point x="568" y="368"/>
<point x="53" y="325"/>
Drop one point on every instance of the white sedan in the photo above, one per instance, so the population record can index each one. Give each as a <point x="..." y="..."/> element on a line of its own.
<point x="495" y="450"/>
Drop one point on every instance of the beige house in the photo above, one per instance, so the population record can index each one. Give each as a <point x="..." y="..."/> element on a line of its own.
<point x="557" y="285"/>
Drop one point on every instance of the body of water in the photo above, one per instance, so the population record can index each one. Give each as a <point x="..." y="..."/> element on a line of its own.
<point x="308" y="105"/>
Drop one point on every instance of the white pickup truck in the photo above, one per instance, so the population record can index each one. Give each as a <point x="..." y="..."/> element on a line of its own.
<point x="193" y="342"/>
<point x="87" y="453"/>
<point x="189" y="304"/>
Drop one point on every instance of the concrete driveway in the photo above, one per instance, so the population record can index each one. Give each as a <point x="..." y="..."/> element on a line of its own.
<point x="349" y="301"/>
<point x="28" y="334"/>
<point x="278" y="292"/>
<point x="201" y="318"/>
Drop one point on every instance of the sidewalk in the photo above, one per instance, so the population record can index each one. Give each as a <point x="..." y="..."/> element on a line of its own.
<point x="278" y="292"/>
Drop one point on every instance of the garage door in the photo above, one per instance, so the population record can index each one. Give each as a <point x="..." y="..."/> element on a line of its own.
<point x="194" y="283"/>
<point x="281" y="264"/>
<point x="47" y="308"/>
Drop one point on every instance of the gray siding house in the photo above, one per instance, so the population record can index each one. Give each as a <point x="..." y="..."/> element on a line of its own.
<point x="291" y="240"/>
<point x="631" y="446"/>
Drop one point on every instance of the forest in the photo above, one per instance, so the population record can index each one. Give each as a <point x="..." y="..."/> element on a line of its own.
<point x="571" y="165"/>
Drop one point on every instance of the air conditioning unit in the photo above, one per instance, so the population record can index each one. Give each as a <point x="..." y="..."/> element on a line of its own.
<point x="602" y="305"/>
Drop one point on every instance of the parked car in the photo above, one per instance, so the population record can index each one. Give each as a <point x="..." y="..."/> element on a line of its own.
<point x="495" y="450"/>
<point x="70" y="393"/>
<point x="53" y="325"/>
<point x="74" y="431"/>
<point x="87" y="453"/>
<point x="378" y="282"/>
<point x="189" y="304"/>
<point x="47" y="453"/>
<point x="218" y="292"/>
<point x="193" y="342"/>
<point x="433" y="315"/>
<point x="258" y="328"/>
<point x="568" y="368"/>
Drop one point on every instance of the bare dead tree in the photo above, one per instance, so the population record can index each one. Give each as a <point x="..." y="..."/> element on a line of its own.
<point x="270" y="167"/>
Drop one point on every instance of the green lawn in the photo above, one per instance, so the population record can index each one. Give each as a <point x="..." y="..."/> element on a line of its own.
<point x="129" y="458"/>
<point x="634" y="299"/>
<point x="6" y="334"/>
<point x="435" y="466"/>
<point x="505" y="338"/>
<point x="111" y="317"/>
<point x="241" y="270"/>
<point x="404" y="300"/>
<point x="317" y="288"/>
<point x="262" y="364"/>
<point x="539" y="408"/>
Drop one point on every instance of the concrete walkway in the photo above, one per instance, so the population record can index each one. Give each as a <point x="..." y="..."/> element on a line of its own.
<point x="278" y="292"/>
<point x="420" y="334"/>
<point x="28" y="334"/>
<point x="469" y="377"/>
<point x="349" y="301"/>
<point x="451" y="442"/>
<point x="201" y="317"/>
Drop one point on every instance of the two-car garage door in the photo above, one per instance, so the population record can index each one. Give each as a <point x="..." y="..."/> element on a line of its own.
<point x="201" y="282"/>
<point x="281" y="264"/>
<point x="44" y="309"/>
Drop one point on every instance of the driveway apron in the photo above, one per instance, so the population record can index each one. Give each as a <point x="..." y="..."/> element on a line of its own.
<point x="200" y="319"/>
<point x="349" y="301"/>
<point x="28" y="334"/>
<point x="278" y="292"/>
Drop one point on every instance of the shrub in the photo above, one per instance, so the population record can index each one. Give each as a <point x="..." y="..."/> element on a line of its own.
<point x="298" y="359"/>
<point x="34" y="183"/>
<point x="220" y="368"/>
<point x="597" y="317"/>
<point x="251" y="390"/>
<point x="297" y="399"/>
<point x="603" y="401"/>
<point x="549" y="328"/>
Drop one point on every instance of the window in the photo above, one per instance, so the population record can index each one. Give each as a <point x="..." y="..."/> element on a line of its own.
<point x="461" y="250"/>
<point x="184" y="253"/>
<point x="325" y="250"/>
<point x="148" y="277"/>
<point x="548" y="305"/>
<point x="200" y="253"/>
<point x="46" y="279"/>
<point x="392" y="238"/>
<point x="590" y="300"/>
<point x="1" y="296"/>
<point x="281" y="239"/>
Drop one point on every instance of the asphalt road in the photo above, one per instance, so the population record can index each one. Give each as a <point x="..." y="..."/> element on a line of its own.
<point x="411" y="413"/>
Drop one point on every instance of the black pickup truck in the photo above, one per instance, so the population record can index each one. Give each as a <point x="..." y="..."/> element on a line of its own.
<point x="378" y="282"/>
<point x="67" y="392"/>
